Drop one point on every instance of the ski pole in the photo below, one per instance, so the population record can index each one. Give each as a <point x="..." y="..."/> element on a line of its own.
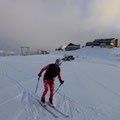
<point x="37" y="85"/>
<point x="57" y="89"/>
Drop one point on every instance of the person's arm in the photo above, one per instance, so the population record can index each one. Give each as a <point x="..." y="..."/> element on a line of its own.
<point x="59" y="76"/>
<point x="42" y="70"/>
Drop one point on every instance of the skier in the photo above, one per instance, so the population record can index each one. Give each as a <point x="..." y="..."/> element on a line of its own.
<point x="52" y="71"/>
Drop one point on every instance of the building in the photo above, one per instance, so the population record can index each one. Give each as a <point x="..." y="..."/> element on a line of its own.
<point x="89" y="44"/>
<point x="109" y="42"/>
<point x="72" y="46"/>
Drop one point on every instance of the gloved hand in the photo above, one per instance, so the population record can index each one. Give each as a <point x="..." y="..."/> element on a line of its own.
<point x="39" y="75"/>
<point x="61" y="81"/>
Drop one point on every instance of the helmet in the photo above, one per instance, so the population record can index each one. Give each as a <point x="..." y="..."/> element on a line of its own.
<point x="58" y="62"/>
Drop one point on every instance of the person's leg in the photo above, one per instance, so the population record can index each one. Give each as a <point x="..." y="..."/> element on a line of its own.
<point x="45" y="90"/>
<point x="51" y="84"/>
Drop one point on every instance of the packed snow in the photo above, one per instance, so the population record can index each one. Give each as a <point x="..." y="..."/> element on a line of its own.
<point x="91" y="90"/>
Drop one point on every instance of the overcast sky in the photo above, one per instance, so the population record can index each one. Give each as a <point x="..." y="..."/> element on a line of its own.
<point x="47" y="24"/>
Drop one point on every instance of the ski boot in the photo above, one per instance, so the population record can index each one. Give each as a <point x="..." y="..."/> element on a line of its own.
<point x="43" y="102"/>
<point x="51" y="102"/>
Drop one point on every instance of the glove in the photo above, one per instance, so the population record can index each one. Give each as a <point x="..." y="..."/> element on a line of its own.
<point x="39" y="75"/>
<point x="61" y="81"/>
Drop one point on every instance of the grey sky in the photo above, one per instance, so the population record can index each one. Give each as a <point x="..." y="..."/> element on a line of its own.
<point x="47" y="24"/>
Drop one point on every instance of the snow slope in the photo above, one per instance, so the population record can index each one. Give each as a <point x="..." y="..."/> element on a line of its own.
<point x="90" y="92"/>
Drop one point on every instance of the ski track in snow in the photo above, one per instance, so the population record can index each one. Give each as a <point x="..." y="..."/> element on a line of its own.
<point x="85" y="112"/>
<point x="33" y="112"/>
<point x="28" y="101"/>
<point x="77" y="111"/>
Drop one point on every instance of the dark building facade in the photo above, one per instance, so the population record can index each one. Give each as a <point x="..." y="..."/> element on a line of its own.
<point x="110" y="42"/>
<point x="72" y="46"/>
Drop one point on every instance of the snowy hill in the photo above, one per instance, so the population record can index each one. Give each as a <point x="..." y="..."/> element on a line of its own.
<point x="90" y="92"/>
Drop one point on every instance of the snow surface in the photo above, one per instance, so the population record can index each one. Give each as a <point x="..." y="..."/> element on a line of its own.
<point x="91" y="90"/>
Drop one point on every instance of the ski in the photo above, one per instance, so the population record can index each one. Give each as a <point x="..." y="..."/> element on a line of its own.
<point x="45" y="107"/>
<point x="63" y="114"/>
